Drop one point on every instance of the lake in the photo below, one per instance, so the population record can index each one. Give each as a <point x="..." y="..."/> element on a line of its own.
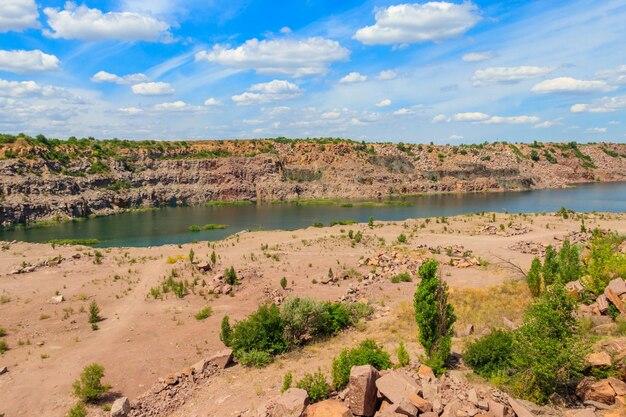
<point x="171" y="224"/>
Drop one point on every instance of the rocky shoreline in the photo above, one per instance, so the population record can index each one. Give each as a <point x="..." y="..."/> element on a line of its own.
<point x="36" y="187"/>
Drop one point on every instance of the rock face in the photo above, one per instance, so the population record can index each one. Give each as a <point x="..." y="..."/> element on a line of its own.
<point x="120" y="408"/>
<point x="591" y="390"/>
<point x="35" y="186"/>
<point x="362" y="390"/>
<point x="291" y="403"/>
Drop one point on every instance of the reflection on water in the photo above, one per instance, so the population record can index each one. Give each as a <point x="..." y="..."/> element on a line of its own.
<point x="170" y="225"/>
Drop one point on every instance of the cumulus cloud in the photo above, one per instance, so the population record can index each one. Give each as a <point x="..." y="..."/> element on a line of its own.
<point x="508" y="75"/>
<point x="175" y="106"/>
<point x="293" y="57"/>
<point x="482" y="118"/>
<point x="416" y="23"/>
<point x="81" y="22"/>
<point x="596" y="130"/>
<point x="470" y="117"/>
<point x="570" y="85"/>
<point x="604" y="105"/>
<point x="153" y="89"/>
<point x="387" y="75"/>
<point x="212" y="102"/>
<point x="107" y="77"/>
<point x="18" y="15"/>
<point x="384" y="103"/>
<point x="617" y="75"/>
<point x="268" y="92"/>
<point x="478" y="56"/>
<point x="353" y="77"/>
<point x="546" y="124"/>
<point x="130" y="110"/>
<point x="25" y="62"/>
<point x="512" y="120"/>
<point x="440" y="118"/>
<point x="29" y="89"/>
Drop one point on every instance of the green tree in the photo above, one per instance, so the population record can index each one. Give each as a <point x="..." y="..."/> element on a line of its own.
<point x="78" y="410"/>
<point x="94" y="312"/>
<point x="230" y="276"/>
<point x="533" y="278"/>
<point x="403" y="355"/>
<point x="192" y="255"/>
<point x="283" y="283"/>
<point x="226" y="331"/>
<point x="213" y="257"/>
<point x="89" y="387"/>
<point x="434" y="316"/>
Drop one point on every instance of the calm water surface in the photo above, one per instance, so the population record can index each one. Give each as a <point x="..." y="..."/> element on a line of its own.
<point x="170" y="224"/>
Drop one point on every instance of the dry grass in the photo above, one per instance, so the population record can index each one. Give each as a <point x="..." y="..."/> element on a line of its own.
<point x="486" y="307"/>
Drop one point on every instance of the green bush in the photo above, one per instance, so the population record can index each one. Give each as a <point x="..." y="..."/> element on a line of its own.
<point x="226" y="331"/>
<point x="262" y="331"/>
<point x="89" y="387"/>
<point x="434" y="316"/>
<point x="367" y="353"/>
<point x="78" y="410"/>
<point x="204" y="313"/>
<point x="315" y="385"/>
<point x="402" y="238"/>
<point x="230" y="276"/>
<point x="94" y="313"/>
<point x="254" y="358"/>
<point x="490" y="354"/>
<point x="2" y="332"/>
<point x="302" y="318"/>
<point x="403" y="277"/>
<point x="548" y="350"/>
<point x="335" y="317"/>
<point x="3" y="347"/>
<point x="283" y="283"/>
<point x="403" y="355"/>
<point x="287" y="380"/>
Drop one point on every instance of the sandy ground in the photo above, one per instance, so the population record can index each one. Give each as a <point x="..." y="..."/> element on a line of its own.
<point x="141" y="339"/>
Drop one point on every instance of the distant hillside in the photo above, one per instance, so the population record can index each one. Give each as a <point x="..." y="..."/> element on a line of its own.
<point x="44" y="179"/>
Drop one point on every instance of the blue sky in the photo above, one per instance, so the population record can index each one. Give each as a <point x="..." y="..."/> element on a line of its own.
<point x="448" y="72"/>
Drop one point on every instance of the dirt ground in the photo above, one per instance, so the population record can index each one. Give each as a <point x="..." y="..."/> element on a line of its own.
<point x="141" y="338"/>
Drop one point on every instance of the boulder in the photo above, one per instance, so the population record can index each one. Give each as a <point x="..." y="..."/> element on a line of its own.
<point x="57" y="299"/>
<point x="4" y="370"/>
<point x="519" y="409"/>
<point x="120" y="408"/>
<point x="200" y="366"/>
<point x="422" y="405"/>
<point x="328" y="408"/>
<point x="426" y="372"/>
<point x="584" y="412"/>
<point x="603" y="303"/>
<point x="291" y="403"/>
<point x="472" y="397"/>
<point x="599" y="359"/>
<point x="618" y="286"/>
<point x="362" y="390"/>
<point x="618" y="386"/>
<point x="429" y="414"/>
<point x="430" y="391"/>
<point x="406" y="408"/>
<point x="451" y="409"/>
<point x="222" y="359"/>
<point x="588" y="389"/>
<point x="395" y="386"/>
<point x="497" y="409"/>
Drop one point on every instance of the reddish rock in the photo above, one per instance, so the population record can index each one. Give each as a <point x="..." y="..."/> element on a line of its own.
<point x="422" y="405"/>
<point x="362" y="390"/>
<point x="426" y="372"/>
<point x="497" y="409"/>
<point x="222" y="359"/>
<point x="291" y="403"/>
<point x="395" y="386"/>
<point x="618" y="386"/>
<point x="591" y="390"/>
<point x="519" y="409"/>
<point x="599" y="359"/>
<point x="328" y="408"/>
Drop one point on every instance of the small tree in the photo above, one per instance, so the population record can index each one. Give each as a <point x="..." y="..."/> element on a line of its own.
<point x="213" y="257"/>
<point x="533" y="278"/>
<point x="226" y="332"/>
<point x="435" y="317"/>
<point x="94" y="312"/>
<point x="403" y="355"/>
<point x="370" y="222"/>
<point x="89" y="387"/>
<point x="192" y="255"/>
<point x="283" y="283"/>
<point x="230" y="276"/>
<point x="287" y="381"/>
<point x="78" y="410"/>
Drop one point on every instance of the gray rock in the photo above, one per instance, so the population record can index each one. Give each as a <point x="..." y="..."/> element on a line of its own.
<point x="291" y="403"/>
<point x="395" y="386"/>
<point x="57" y="299"/>
<point x="120" y="408"/>
<point x="362" y="390"/>
<point x="222" y="359"/>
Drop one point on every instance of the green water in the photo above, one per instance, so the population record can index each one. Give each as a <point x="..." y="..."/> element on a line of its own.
<point x="171" y="224"/>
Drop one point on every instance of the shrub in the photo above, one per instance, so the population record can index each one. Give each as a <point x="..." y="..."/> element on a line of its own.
<point x="89" y="387"/>
<point x="367" y="353"/>
<point x="403" y="355"/>
<point x="604" y="263"/>
<point x="192" y="255"/>
<point x="204" y="313"/>
<point x="287" y="380"/>
<point x="548" y="350"/>
<point x="2" y="332"/>
<point x="434" y="316"/>
<point x="490" y="354"/>
<point x="213" y="257"/>
<point x="402" y="238"/>
<point x="533" y="278"/>
<point x="564" y="265"/>
<point x="230" y="276"/>
<point x="283" y="283"/>
<point x="226" y="331"/>
<point x="262" y="331"/>
<point x="403" y="277"/>
<point x="302" y="319"/>
<point x="335" y="317"/>
<point x="78" y="410"/>
<point x="254" y="358"/>
<point x="3" y="347"/>
<point x="94" y="312"/>
<point x="315" y="385"/>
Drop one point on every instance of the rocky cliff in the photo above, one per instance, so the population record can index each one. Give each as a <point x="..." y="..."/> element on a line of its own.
<point x="44" y="180"/>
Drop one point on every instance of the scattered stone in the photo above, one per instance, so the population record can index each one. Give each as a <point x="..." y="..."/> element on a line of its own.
<point x="519" y="409"/>
<point x="599" y="359"/>
<point x="426" y="372"/>
<point x="405" y="408"/>
<point x="618" y="286"/>
<point x="291" y="403"/>
<point x="497" y="409"/>
<point x="422" y="405"/>
<point x="200" y="366"/>
<point x="395" y="386"/>
<point x="222" y="359"/>
<point x="600" y="391"/>
<point x="328" y="408"/>
<point x="585" y="412"/>
<point x="120" y="408"/>
<point x="618" y="386"/>
<point x="57" y="299"/>
<point x="4" y="370"/>
<point x="362" y="390"/>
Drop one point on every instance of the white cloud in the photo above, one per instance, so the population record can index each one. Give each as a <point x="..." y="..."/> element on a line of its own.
<point x="18" y="15"/>
<point x="604" y="105"/>
<point x="596" y="130"/>
<point x="508" y="75"/>
<point x="212" y="102"/>
<point x="29" y="89"/>
<point x="130" y="110"/>
<point x="470" y="117"/>
<point x="174" y="106"/>
<point x="387" y="75"/>
<point x="512" y="120"/>
<point x="267" y="92"/>
<point x="24" y="62"/>
<point x="478" y="56"/>
<point x="384" y="103"/>
<point x="330" y="115"/>
<point x="107" y="77"/>
<point x="153" y="89"/>
<point x="285" y="29"/>
<point x="617" y="75"/>
<point x="570" y="85"/>
<point x="353" y="77"/>
<point x="296" y="58"/>
<point x="545" y="125"/>
<point x="455" y="137"/>
<point x="81" y="22"/>
<point x="439" y="118"/>
<point x="415" y="23"/>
